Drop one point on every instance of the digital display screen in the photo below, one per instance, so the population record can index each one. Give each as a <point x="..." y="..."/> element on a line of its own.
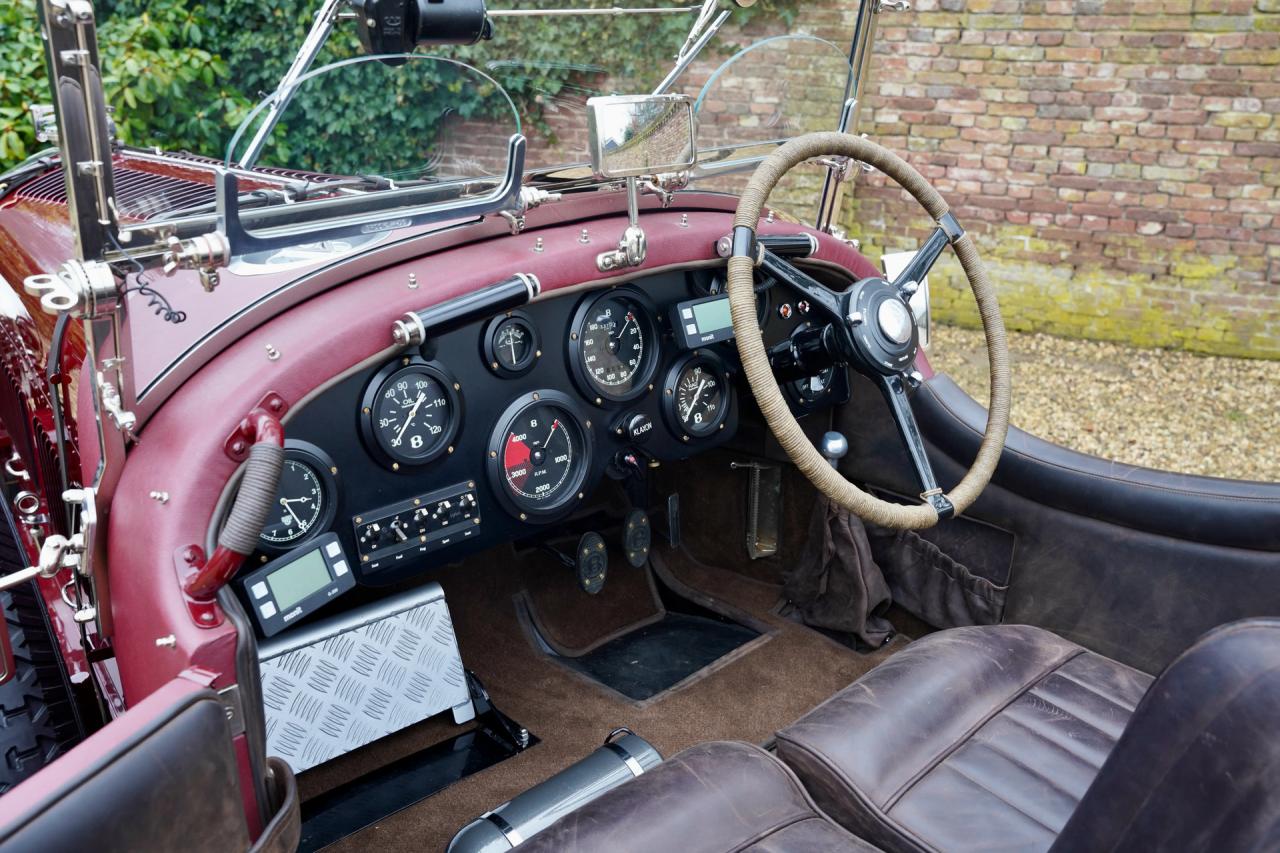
<point x="306" y="575"/>
<point x="713" y="315"/>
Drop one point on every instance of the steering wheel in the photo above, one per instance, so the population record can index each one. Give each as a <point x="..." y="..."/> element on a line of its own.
<point x="870" y="328"/>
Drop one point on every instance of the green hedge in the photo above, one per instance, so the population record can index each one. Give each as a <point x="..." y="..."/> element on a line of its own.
<point x="182" y="76"/>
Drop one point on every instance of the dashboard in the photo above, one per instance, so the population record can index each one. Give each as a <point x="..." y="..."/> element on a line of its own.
<point x="495" y="431"/>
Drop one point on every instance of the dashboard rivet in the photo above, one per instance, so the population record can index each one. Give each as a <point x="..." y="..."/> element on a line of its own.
<point x="650" y="386"/>
<point x="769" y="217"/>
<point x="573" y="336"/>
<point x="413" y="281"/>
<point x="162" y="497"/>
<point x="599" y="402"/>
<point x="457" y="387"/>
<point x="684" y="438"/>
<point x="449" y="449"/>
<point x="584" y="237"/>
<point x="395" y="466"/>
<point x="365" y="558"/>
<point x="538" y="245"/>
<point x="588" y="424"/>
<point x="359" y="520"/>
<point x="581" y="495"/>
<point x="333" y="470"/>
<point x="272" y="353"/>
<point x="537" y="354"/>
<point x="536" y="396"/>
<point x="471" y="484"/>
<point x="684" y="220"/>
<point x="668" y="392"/>
<point x="417" y="501"/>
<point x="493" y="365"/>
<point x="524" y="517"/>
<point x="721" y="426"/>
<point x="366" y="410"/>
<point x="493" y="454"/>
<point x="476" y="520"/>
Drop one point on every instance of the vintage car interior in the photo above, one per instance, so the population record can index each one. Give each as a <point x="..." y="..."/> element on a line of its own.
<point x="458" y="522"/>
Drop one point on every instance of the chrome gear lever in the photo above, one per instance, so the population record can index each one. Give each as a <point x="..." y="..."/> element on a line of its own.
<point x="834" y="447"/>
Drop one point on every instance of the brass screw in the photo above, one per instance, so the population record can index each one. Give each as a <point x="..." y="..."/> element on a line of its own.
<point x="450" y="449"/>
<point x="395" y="466"/>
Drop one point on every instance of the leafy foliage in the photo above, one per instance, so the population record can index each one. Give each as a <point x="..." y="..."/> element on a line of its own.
<point x="184" y="76"/>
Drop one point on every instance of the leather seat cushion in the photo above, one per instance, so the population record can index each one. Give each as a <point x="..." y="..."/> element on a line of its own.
<point x="712" y="798"/>
<point x="971" y="738"/>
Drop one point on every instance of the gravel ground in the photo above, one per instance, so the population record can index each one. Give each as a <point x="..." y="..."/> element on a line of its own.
<point x="1158" y="408"/>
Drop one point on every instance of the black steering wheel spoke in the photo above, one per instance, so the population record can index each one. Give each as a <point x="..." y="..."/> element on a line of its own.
<point x="825" y="301"/>
<point x="894" y="388"/>
<point x="947" y="232"/>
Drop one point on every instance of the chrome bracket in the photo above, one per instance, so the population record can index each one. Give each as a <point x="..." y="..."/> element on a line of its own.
<point x="529" y="198"/>
<point x="87" y="290"/>
<point x="633" y="247"/>
<point x="204" y="254"/>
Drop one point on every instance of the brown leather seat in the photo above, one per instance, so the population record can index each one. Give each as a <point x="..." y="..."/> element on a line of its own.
<point x="711" y="798"/>
<point x="971" y="738"/>
<point x="1001" y="738"/>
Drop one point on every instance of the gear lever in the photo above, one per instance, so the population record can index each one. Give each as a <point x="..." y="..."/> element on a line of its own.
<point x="834" y="447"/>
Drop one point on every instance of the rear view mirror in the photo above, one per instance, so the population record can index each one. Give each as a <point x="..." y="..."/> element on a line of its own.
<point x="633" y="135"/>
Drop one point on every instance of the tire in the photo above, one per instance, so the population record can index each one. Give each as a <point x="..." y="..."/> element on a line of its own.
<point x="38" y="720"/>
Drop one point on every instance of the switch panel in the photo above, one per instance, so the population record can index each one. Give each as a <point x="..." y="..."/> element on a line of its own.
<point x="393" y="534"/>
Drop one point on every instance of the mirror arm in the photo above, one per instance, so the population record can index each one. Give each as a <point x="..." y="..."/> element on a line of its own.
<point x="686" y="57"/>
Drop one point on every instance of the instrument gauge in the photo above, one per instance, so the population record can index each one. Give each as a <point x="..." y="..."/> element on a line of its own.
<point x="511" y="345"/>
<point x="410" y="413"/>
<point x="613" y="346"/>
<point x="540" y="454"/>
<point x="305" y="499"/>
<point x="696" y="395"/>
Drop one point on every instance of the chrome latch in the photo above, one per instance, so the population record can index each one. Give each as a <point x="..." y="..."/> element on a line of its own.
<point x="204" y="254"/>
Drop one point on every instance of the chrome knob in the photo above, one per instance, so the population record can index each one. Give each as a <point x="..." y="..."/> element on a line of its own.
<point x="834" y="447"/>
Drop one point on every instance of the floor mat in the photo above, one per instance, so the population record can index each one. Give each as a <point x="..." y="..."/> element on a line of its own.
<point x="778" y="678"/>
<point x="656" y="657"/>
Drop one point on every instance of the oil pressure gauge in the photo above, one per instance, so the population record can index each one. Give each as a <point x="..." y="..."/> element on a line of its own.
<point x="410" y="413"/>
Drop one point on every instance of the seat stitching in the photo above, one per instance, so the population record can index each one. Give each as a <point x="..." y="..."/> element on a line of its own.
<point x="877" y="813"/>
<point x="991" y="745"/>
<point x="777" y="827"/>
<point x="1096" y="692"/>
<point x="1052" y="742"/>
<point x="978" y="784"/>
<point x="992" y="714"/>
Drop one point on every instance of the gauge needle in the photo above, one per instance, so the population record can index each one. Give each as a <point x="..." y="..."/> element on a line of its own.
<point x="409" y="420"/>
<point x="512" y="342"/>
<point x="554" y="426"/>
<point x="285" y="503"/>
<point x="696" y="395"/>
<point x="624" y="325"/>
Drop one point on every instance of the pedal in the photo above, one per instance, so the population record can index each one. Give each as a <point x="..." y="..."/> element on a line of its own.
<point x="591" y="563"/>
<point x="637" y="537"/>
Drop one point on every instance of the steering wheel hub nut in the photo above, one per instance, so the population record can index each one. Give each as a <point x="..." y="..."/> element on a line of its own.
<point x="895" y="321"/>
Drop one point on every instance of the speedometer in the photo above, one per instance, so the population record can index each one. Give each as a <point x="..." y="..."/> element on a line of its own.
<point x="540" y="454"/>
<point x="613" y="346"/>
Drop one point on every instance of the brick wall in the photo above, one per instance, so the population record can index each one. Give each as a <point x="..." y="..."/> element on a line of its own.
<point x="1118" y="162"/>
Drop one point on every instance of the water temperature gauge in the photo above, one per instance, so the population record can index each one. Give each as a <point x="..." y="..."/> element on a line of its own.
<point x="511" y="345"/>
<point x="696" y="395"/>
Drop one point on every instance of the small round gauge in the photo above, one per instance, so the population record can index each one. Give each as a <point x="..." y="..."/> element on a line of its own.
<point x="411" y="412"/>
<point x="540" y="454"/>
<point x="812" y="390"/>
<point x="613" y="345"/>
<point x="696" y="395"/>
<point x="304" y="503"/>
<point x="511" y="345"/>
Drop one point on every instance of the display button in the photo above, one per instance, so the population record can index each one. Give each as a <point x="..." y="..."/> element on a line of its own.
<point x="260" y="589"/>
<point x="691" y="329"/>
<point x="686" y="313"/>
<point x="340" y="568"/>
<point x="333" y="549"/>
<point x="267" y="610"/>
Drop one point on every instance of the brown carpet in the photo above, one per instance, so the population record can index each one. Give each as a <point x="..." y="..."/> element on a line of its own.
<point x="774" y="681"/>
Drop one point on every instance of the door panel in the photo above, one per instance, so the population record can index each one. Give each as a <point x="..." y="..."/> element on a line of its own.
<point x="161" y="777"/>
<point x="1129" y="562"/>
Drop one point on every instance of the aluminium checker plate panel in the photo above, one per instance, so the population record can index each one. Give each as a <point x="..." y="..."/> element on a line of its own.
<point x="334" y="686"/>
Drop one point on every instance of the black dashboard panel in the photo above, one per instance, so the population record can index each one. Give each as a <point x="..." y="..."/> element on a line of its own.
<point x="489" y="478"/>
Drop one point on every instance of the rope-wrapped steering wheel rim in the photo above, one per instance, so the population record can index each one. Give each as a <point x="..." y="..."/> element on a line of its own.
<point x="755" y="359"/>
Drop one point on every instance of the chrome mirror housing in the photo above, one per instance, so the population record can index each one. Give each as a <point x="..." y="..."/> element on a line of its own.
<point x="634" y="135"/>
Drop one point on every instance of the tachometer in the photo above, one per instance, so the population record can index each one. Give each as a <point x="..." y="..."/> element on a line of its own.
<point x="613" y="345"/>
<point x="410" y="413"/>
<point x="540" y="454"/>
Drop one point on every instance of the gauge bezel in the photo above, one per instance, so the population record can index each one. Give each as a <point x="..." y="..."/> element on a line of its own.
<point x="573" y="492"/>
<point x="649" y="327"/>
<point x="325" y="468"/>
<point x="671" y="413"/>
<point x="489" y="349"/>
<point x="389" y="457"/>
